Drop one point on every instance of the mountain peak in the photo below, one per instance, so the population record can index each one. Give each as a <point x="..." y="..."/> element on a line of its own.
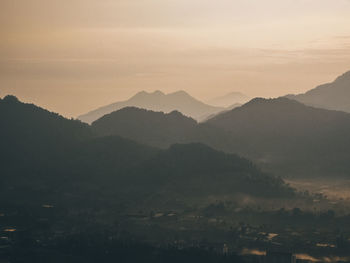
<point x="332" y="96"/>
<point x="158" y="92"/>
<point x="140" y="94"/>
<point x="10" y="98"/>
<point x="279" y="100"/>
<point x="175" y="113"/>
<point x="145" y="126"/>
<point x="262" y="107"/>
<point x="229" y="99"/>
<point x="344" y="77"/>
<point x="158" y="101"/>
<point x="143" y="94"/>
<point x="180" y="93"/>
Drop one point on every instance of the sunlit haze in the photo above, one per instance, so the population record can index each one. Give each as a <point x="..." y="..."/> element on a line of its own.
<point x="73" y="56"/>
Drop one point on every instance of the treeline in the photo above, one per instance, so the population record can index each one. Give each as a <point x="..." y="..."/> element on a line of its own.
<point x="97" y="247"/>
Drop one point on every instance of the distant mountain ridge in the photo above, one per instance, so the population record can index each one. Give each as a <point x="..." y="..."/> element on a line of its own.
<point x="282" y="135"/>
<point x="145" y="126"/>
<point x="230" y="99"/>
<point x="158" y="101"/>
<point x="288" y="136"/>
<point x="332" y="96"/>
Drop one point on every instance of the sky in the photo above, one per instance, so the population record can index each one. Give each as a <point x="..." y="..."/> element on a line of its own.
<point x="71" y="56"/>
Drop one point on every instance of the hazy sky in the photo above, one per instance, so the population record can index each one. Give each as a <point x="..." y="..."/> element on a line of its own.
<point x="71" y="56"/>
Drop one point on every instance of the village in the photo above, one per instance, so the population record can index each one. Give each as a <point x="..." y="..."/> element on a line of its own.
<point x="292" y="239"/>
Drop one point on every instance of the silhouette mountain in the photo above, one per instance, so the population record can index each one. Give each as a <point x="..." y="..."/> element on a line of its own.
<point x="288" y="136"/>
<point x="32" y="137"/>
<point x="198" y="170"/>
<point x="236" y="105"/>
<point x="229" y="100"/>
<point x="145" y="126"/>
<point x="158" y="101"/>
<point x="47" y="157"/>
<point x="158" y="129"/>
<point x="332" y="96"/>
<point x="282" y="135"/>
<point x="40" y="147"/>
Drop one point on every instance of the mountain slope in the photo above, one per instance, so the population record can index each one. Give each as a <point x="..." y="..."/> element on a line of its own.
<point x="333" y="96"/>
<point x="282" y="135"/>
<point x="288" y="136"/>
<point x="31" y="137"/>
<point x="198" y="170"/>
<point x="63" y="161"/>
<point x="41" y="147"/>
<point x="229" y="99"/>
<point x="157" y="129"/>
<point x="148" y="127"/>
<point x="158" y="101"/>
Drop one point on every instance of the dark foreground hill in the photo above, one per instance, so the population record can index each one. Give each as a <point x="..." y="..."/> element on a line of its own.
<point x="332" y="96"/>
<point x="44" y="157"/>
<point x="33" y="138"/>
<point x="196" y="169"/>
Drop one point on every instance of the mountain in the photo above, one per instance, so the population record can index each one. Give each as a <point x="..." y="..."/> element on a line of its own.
<point x="31" y="137"/>
<point x="229" y="100"/>
<point x="145" y="126"/>
<point x="39" y="148"/>
<point x="332" y="96"/>
<point x="288" y="137"/>
<point x="158" y="101"/>
<point x="281" y="135"/>
<point x="198" y="170"/>
<point x="47" y="158"/>
<point x="236" y="105"/>
<point x="157" y="129"/>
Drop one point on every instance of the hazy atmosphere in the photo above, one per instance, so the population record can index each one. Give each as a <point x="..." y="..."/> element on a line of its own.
<point x="174" y="131"/>
<point x="73" y="56"/>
